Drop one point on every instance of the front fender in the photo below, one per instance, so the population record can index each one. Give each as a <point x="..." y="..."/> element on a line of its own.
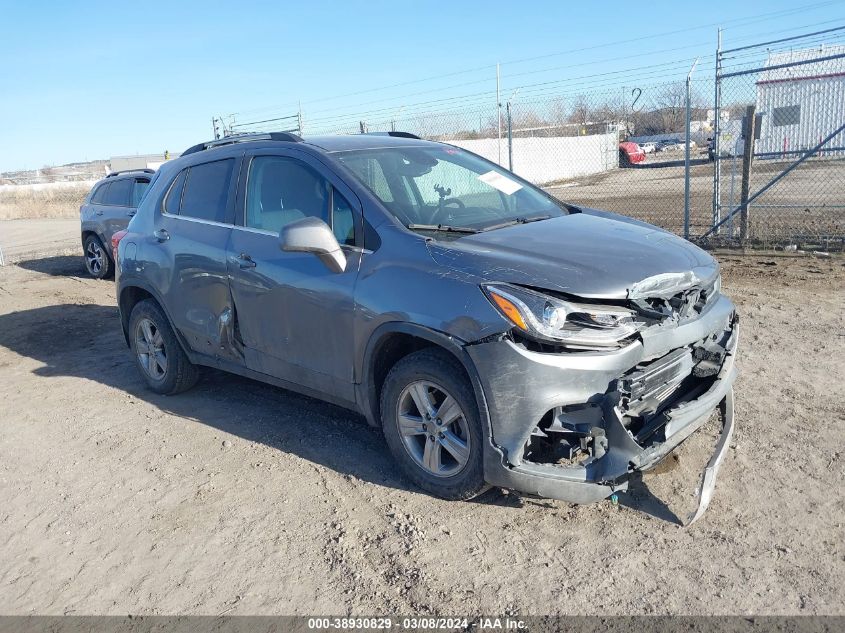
<point x="367" y="395"/>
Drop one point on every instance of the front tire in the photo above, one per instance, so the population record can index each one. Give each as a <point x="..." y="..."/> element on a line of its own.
<point x="97" y="260"/>
<point x="159" y="357"/>
<point x="431" y="424"/>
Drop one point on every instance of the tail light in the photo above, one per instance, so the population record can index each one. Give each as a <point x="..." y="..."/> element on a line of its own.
<point x="115" y="240"/>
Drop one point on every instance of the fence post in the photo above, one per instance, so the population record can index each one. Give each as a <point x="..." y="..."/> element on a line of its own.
<point x="499" y="114"/>
<point x="686" y="152"/>
<point x="299" y="119"/>
<point x="717" y="122"/>
<point x="747" y="157"/>
<point x="510" y="138"/>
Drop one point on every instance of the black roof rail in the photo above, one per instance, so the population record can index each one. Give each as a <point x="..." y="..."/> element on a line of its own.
<point x="288" y="137"/>
<point x="396" y="134"/>
<point x="129" y="171"/>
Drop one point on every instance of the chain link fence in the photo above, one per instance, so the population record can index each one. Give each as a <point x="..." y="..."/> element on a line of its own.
<point x="780" y="162"/>
<point x="621" y="149"/>
<point x="625" y="149"/>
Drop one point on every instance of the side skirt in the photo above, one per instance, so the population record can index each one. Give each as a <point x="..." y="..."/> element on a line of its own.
<point x="240" y="370"/>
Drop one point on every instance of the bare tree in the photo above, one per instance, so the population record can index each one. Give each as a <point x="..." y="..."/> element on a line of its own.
<point x="671" y="101"/>
<point x="580" y="111"/>
<point x="610" y="111"/>
<point x="557" y="112"/>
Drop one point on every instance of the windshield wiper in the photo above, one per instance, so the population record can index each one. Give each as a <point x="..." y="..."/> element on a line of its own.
<point x="517" y="221"/>
<point x="442" y="227"/>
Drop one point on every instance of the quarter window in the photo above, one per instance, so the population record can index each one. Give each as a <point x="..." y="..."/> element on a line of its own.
<point x="98" y="196"/>
<point x="344" y="219"/>
<point x="206" y="191"/>
<point x="174" y="197"/>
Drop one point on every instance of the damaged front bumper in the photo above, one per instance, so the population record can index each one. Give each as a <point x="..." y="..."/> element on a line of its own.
<point x="606" y="414"/>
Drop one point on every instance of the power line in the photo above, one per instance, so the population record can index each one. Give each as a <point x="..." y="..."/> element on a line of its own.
<point x="630" y="75"/>
<point x="510" y="77"/>
<point x="745" y="21"/>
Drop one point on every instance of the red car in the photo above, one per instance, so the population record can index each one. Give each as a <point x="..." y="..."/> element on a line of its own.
<point x="630" y="153"/>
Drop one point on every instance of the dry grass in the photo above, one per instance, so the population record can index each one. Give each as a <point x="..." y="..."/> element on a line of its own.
<point x="26" y="202"/>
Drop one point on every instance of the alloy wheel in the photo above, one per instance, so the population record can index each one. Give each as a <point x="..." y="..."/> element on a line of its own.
<point x="95" y="257"/>
<point x="433" y="428"/>
<point x="149" y="345"/>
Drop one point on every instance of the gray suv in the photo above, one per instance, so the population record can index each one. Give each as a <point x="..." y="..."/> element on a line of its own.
<point x="107" y="209"/>
<point x="496" y="335"/>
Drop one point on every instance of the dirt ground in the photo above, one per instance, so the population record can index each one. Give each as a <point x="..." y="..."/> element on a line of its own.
<point x="26" y="239"/>
<point x="240" y="498"/>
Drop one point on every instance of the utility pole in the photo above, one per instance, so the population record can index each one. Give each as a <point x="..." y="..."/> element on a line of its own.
<point x="686" y="152"/>
<point x="299" y="119"/>
<point x="214" y="128"/>
<point x="499" y="113"/>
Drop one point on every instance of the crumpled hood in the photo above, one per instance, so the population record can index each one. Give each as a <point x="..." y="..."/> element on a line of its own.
<point x="591" y="254"/>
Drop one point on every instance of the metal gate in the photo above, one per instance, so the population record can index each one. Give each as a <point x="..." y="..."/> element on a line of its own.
<point x="779" y="143"/>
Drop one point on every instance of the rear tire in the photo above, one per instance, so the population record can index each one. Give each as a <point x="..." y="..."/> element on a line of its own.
<point x="159" y="357"/>
<point x="96" y="256"/>
<point x="440" y="449"/>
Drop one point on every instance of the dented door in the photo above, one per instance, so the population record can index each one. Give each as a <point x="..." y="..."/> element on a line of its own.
<point x="294" y="315"/>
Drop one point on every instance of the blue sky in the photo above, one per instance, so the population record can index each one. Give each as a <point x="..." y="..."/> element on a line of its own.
<point x="87" y="80"/>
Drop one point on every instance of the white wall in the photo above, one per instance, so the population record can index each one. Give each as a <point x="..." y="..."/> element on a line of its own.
<point x="822" y="104"/>
<point x="544" y="160"/>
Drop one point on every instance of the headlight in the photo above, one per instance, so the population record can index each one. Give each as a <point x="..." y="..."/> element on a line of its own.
<point x="556" y="320"/>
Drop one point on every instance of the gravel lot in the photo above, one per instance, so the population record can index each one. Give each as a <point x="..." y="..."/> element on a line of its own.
<point x="241" y="498"/>
<point x="23" y="239"/>
<point x="806" y="206"/>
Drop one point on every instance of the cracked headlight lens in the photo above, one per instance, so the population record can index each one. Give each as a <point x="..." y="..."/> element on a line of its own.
<point x="551" y="319"/>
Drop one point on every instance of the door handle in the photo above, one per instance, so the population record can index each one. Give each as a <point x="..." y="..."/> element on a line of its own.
<point x="161" y="235"/>
<point x="245" y="261"/>
<point x="131" y="213"/>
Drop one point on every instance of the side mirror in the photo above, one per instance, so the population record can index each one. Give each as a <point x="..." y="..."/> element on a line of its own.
<point x="312" y="235"/>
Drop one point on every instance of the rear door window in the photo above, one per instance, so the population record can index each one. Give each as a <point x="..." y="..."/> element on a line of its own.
<point x="118" y="193"/>
<point x="206" y="191"/>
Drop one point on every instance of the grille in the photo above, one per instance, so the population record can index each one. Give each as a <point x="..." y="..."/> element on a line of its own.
<point x="648" y="385"/>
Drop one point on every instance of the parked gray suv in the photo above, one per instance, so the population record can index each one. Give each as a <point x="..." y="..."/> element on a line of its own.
<point x="497" y="335"/>
<point x="107" y="209"/>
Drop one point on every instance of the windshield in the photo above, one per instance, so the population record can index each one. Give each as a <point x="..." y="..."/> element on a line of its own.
<point x="440" y="185"/>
